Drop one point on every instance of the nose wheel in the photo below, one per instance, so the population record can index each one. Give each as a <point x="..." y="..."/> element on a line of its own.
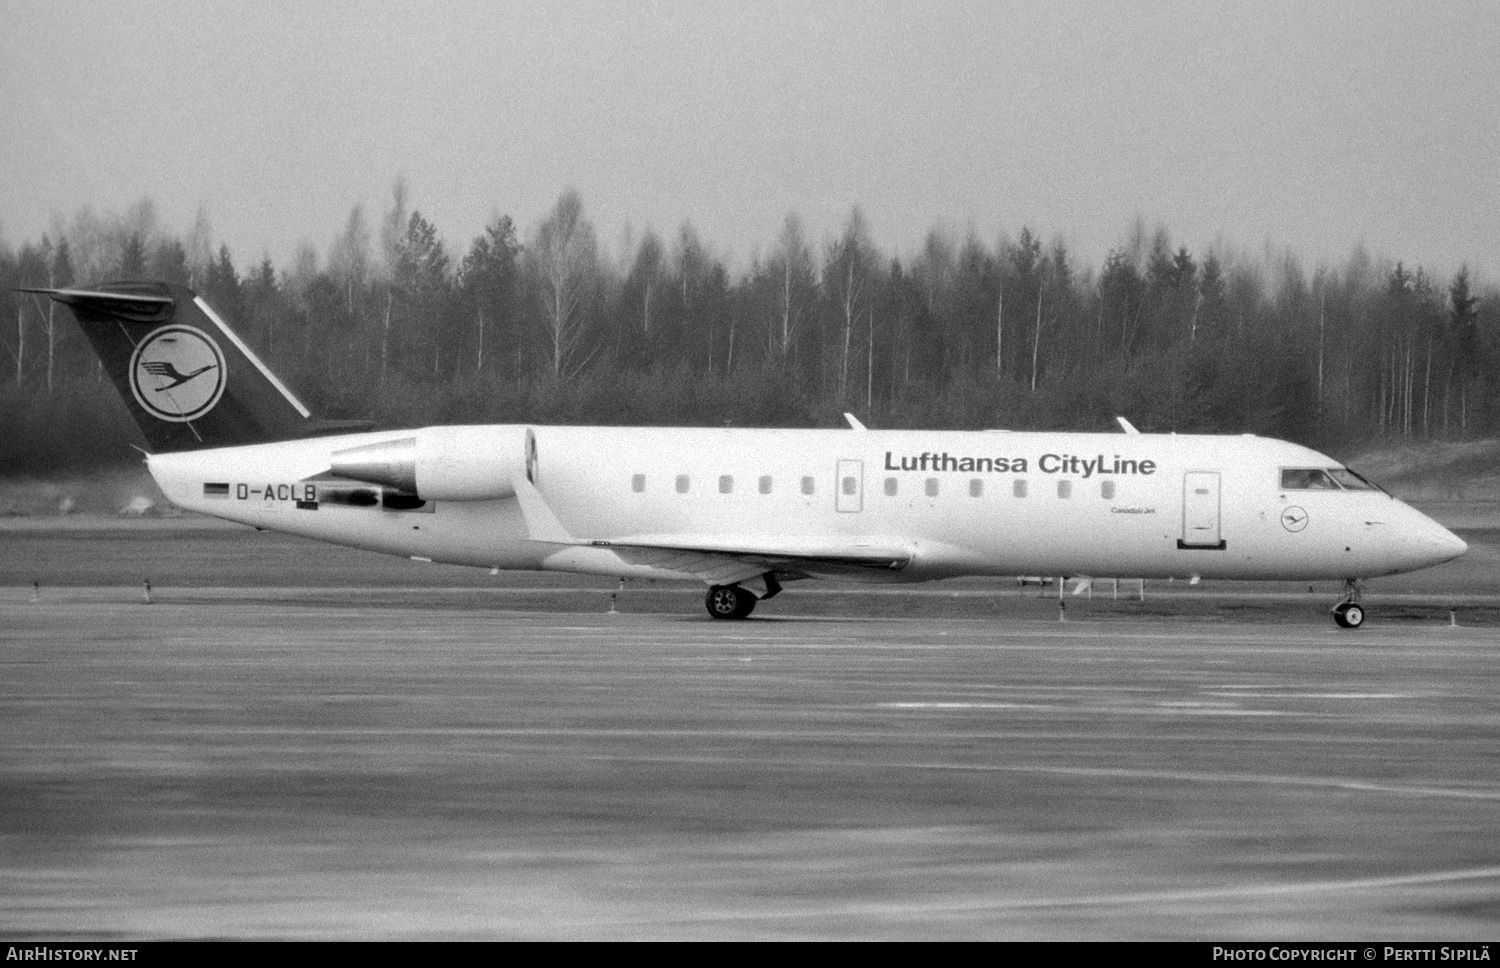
<point x="1349" y="613"/>
<point x="729" y="601"/>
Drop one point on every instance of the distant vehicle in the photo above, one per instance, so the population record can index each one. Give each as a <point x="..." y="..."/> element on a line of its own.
<point x="743" y="511"/>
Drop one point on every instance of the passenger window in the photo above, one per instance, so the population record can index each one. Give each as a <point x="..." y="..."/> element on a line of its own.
<point x="932" y="487"/>
<point x="726" y="484"/>
<point x="765" y="484"/>
<point x="1064" y="488"/>
<point x="1018" y="488"/>
<point x="807" y="485"/>
<point x="1107" y="490"/>
<point x="638" y="483"/>
<point x="976" y="488"/>
<point x="682" y="483"/>
<point x="1306" y="479"/>
<point x="890" y="487"/>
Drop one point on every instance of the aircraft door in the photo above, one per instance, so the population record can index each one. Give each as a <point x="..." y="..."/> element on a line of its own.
<point x="1200" y="511"/>
<point x="849" y="486"/>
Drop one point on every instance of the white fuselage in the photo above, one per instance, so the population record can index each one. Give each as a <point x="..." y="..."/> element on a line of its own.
<point x="955" y="503"/>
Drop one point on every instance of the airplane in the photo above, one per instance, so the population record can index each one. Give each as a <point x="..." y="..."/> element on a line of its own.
<point x="741" y="510"/>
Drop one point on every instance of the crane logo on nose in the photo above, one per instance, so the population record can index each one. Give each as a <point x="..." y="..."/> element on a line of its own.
<point x="1294" y="519"/>
<point x="177" y="373"/>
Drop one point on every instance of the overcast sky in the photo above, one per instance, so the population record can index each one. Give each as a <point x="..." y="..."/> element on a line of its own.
<point x="1313" y="126"/>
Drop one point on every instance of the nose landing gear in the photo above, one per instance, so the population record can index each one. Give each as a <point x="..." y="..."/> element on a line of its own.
<point x="1349" y="613"/>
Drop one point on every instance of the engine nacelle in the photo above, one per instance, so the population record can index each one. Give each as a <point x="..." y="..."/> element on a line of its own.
<point x="445" y="463"/>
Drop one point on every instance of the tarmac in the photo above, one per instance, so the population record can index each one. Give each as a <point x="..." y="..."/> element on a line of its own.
<point x="327" y="758"/>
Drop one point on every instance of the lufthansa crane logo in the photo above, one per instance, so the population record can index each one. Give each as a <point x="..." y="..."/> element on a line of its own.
<point x="1294" y="519"/>
<point x="177" y="373"/>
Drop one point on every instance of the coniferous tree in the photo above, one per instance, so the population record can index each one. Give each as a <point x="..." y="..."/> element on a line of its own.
<point x="132" y="263"/>
<point x="488" y="288"/>
<point x="221" y="286"/>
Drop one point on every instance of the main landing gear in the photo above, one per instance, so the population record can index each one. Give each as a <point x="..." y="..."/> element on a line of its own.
<point x="737" y="601"/>
<point x="729" y="601"/>
<point x="1349" y="613"/>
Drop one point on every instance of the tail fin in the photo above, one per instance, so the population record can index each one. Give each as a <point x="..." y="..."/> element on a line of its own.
<point x="187" y="379"/>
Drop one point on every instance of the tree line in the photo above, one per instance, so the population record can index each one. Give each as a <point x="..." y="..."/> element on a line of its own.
<point x="546" y="327"/>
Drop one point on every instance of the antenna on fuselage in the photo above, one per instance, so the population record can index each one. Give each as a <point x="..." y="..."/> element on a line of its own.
<point x="1126" y="425"/>
<point x="854" y="423"/>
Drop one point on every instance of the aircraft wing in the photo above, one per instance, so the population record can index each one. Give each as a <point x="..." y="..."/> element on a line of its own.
<point x="725" y="559"/>
<point x="720" y="559"/>
<point x="856" y="554"/>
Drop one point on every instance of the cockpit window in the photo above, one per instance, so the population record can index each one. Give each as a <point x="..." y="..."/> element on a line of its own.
<point x="1350" y="480"/>
<point x="1306" y="479"/>
<point x="1323" y="479"/>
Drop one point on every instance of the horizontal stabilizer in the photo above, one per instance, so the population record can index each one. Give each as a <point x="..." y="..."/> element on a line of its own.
<point x="143" y="305"/>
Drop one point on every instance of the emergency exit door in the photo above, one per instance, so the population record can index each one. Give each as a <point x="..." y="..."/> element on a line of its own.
<point x="1201" y="511"/>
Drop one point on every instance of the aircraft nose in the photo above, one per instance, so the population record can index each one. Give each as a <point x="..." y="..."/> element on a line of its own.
<point x="1449" y="544"/>
<point x="1417" y="541"/>
<point x="1437" y="544"/>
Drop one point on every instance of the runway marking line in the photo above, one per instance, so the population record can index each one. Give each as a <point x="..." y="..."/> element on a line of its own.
<point x="963" y="705"/>
<point x="1260" y="890"/>
<point x="906" y="909"/>
<point x="1339" y="783"/>
<point x="1294" y="694"/>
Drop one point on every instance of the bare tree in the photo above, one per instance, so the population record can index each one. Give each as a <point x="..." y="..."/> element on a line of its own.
<point x="20" y="351"/>
<point x="94" y="252"/>
<point x="200" y="248"/>
<point x="564" y="262"/>
<point x="393" y="226"/>
<point x="392" y="238"/>
<point x="792" y="267"/>
<point x="847" y="275"/>
<point x="349" y="256"/>
<point x="59" y="274"/>
<point x="646" y="275"/>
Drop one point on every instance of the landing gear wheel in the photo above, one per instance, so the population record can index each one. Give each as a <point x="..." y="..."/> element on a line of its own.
<point x="1349" y="615"/>
<point x="729" y="601"/>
